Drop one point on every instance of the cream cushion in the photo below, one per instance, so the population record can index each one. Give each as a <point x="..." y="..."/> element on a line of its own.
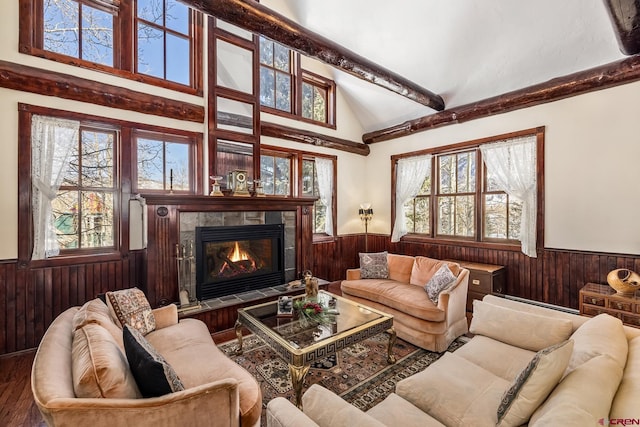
<point x="455" y="391"/>
<point x="534" y="384"/>
<point x="587" y="391"/>
<point x="394" y="410"/>
<point x="424" y="268"/>
<point x="524" y="330"/>
<point x="602" y="334"/>
<point x="316" y="400"/>
<point x="400" y="267"/>
<point x="503" y="360"/>
<point x="99" y="368"/>
<point x="625" y="404"/>
<point x="96" y="311"/>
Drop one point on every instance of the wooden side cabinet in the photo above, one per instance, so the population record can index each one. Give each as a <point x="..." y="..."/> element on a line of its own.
<point x="484" y="279"/>
<point x="597" y="299"/>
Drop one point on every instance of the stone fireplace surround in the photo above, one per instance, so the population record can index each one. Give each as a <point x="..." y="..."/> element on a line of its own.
<point x="190" y="220"/>
<point x="171" y="220"/>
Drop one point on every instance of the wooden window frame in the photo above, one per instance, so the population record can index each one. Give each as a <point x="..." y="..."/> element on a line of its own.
<point x="189" y="140"/>
<point x="124" y="192"/>
<point x="297" y="157"/>
<point x="477" y="240"/>
<point x="299" y="76"/>
<point x="124" y="39"/>
<point x="294" y="64"/>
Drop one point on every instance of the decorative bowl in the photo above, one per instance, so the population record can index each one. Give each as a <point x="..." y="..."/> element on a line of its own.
<point x="624" y="281"/>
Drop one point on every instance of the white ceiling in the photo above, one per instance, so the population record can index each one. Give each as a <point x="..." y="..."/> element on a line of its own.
<point x="463" y="50"/>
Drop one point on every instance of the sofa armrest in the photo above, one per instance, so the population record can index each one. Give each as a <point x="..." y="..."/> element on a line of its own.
<point x="166" y="316"/>
<point x="328" y="409"/>
<point x="283" y="413"/>
<point x="212" y="404"/>
<point x="453" y="301"/>
<point x="353" y="274"/>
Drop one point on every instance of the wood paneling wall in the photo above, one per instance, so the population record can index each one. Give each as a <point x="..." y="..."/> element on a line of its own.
<point x="555" y="277"/>
<point x="31" y="298"/>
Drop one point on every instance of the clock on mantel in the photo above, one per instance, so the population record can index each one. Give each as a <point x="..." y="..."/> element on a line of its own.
<point x="238" y="184"/>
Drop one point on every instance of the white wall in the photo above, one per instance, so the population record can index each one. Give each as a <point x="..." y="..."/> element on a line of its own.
<point x="592" y="155"/>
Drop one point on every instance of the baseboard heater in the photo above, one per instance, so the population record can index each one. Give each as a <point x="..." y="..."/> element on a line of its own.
<point x="543" y="304"/>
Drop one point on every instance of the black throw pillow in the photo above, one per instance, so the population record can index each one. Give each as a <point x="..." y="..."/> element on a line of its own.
<point x="154" y="376"/>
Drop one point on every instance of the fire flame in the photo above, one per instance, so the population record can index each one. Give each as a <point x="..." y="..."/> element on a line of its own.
<point x="238" y="255"/>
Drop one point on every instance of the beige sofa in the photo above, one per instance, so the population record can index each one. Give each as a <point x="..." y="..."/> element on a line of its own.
<point x="217" y="391"/>
<point x="416" y="318"/>
<point x="589" y="374"/>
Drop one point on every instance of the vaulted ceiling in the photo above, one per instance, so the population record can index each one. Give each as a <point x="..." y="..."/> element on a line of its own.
<point x="462" y="50"/>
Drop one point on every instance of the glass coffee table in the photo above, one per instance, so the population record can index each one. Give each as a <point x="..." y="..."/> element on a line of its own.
<point x="300" y="342"/>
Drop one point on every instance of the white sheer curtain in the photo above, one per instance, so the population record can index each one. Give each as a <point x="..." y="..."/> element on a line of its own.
<point x="410" y="174"/>
<point x="513" y="164"/>
<point x="52" y="141"/>
<point x="324" y="170"/>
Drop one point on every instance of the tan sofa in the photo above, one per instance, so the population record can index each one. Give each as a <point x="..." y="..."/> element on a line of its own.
<point x="217" y="391"/>
<point x="416" y="318"/>
<point x="596" y="378"/>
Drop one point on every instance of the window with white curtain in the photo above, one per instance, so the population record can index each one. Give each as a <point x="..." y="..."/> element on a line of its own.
<point x="479" y="191"/>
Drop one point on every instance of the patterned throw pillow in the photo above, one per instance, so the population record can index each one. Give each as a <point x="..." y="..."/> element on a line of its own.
<point x="154" y="376"/>
<point x="533" y="384"/>
<point x="440" y="281"/>
<point x="131" y="307"/>
<point x="374" y="265"/>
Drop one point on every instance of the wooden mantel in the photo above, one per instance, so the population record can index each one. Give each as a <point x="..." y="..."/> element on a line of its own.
<point x="163" y="233"/>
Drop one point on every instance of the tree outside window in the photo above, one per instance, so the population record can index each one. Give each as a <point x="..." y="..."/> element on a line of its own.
<point x="276" y="76"/>
<point x="84" y="207"/>
<point x="164" y="40"/>
<point x="310" y="189"/>
<point x="275" y="174"/>
<point x="458" y="200"/>
<point x="163" y="162"/>
<point x="76" y="28"/>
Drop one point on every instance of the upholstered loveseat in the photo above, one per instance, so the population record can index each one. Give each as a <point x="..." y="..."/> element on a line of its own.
<point x="82" y="354"/>
<point x="416" y="318"/>
<point x="587" y="375"/>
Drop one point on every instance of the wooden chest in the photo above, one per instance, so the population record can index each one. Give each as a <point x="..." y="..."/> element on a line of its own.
<point x="484" y="279"/>
<point x="596" y="299"/>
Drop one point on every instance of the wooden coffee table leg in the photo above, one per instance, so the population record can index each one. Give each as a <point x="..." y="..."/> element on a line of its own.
<point x="392" y="341"/>
<point x="238" y="328"/>
<point x="297" y="380"/>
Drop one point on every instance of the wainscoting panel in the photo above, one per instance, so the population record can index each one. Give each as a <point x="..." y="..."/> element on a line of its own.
<point x="555" y="277"/>
<point x="31" y="298"/>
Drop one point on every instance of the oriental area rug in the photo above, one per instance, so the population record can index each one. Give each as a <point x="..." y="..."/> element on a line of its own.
<point x="359" y="374"/>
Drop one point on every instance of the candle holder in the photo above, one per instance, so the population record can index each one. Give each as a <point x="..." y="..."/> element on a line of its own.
<point x="215" y="186"/>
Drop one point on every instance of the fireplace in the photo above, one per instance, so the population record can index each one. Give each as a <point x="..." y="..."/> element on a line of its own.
<point x="235" y="259"/>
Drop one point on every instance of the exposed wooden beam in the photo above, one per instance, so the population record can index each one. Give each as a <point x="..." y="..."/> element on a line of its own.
<point x="259" y="19"/>
<point x="51" y="83"/>
<point x="307" y="137"/>
<point x="602" y="77"/>
<point x="625" y="16"/>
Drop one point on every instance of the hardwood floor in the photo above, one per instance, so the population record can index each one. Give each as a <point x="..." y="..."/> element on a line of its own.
<point x="17" y="407"/>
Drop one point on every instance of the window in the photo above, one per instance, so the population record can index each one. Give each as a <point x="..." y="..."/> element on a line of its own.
<point x="276" y="76"/>
<point x="455" y="195"/>
<point x="459" y="199"/>
<point x="310" y="189"/>
<point x="317" y="97"/>
<point x="154" y="41"/>
<point x="302" y="174"/>
<point x="164" y="162"/>
<point x="86" y="163"/>
<point x="275" y="173"/>
<point x="79" y="29"/>
<point x="163" y="40"/>
<point x="84" y="209"/>
<point x="287" y="89"/>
